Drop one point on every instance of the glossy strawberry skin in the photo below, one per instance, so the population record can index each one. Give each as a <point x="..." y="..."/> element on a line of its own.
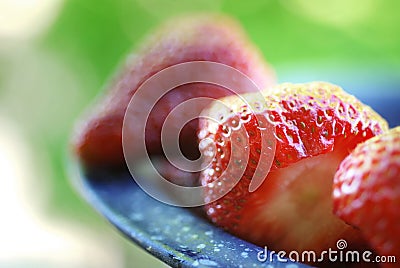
<point x="316" y="125"/>
<point x="98" y="139"/>
<point x="367" y="192"/>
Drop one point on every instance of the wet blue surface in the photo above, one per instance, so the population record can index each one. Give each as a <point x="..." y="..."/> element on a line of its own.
<point x="180" y="237"/>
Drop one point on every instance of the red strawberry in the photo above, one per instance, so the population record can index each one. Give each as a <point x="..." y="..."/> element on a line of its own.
<point x="367" y="192"/>
<point x="316" y="125"/>
<point x="194" y="38"/>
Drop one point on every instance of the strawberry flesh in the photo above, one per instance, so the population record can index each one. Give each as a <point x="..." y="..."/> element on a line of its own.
<point x="316" y="125"/>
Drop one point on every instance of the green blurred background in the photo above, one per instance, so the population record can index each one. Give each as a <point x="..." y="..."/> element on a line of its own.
<point x="55" y="57"/>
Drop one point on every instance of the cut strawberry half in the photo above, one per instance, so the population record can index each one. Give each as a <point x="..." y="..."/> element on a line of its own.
<point x="315" y="126"/>
<point x="367" y="193"/>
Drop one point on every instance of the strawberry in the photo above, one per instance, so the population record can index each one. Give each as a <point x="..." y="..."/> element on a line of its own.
<point x="367" y="192"/>
<point x="98" y="141"/>
<point x="314" y="126"/>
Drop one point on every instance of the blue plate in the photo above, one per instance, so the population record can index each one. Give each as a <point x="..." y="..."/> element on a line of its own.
<point x="180" y="237"/>
<point x="183" y="237"/>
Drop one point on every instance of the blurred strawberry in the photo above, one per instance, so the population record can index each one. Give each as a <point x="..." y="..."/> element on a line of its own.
<point x="315" y="126"/>
<point x="367" y="192"/>
<point x="193" y="38"/>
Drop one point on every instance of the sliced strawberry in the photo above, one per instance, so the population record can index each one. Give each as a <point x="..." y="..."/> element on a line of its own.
<point x="367" y="192"/>
<point x="316" y="125"/>
<point x="98" y="142"/>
